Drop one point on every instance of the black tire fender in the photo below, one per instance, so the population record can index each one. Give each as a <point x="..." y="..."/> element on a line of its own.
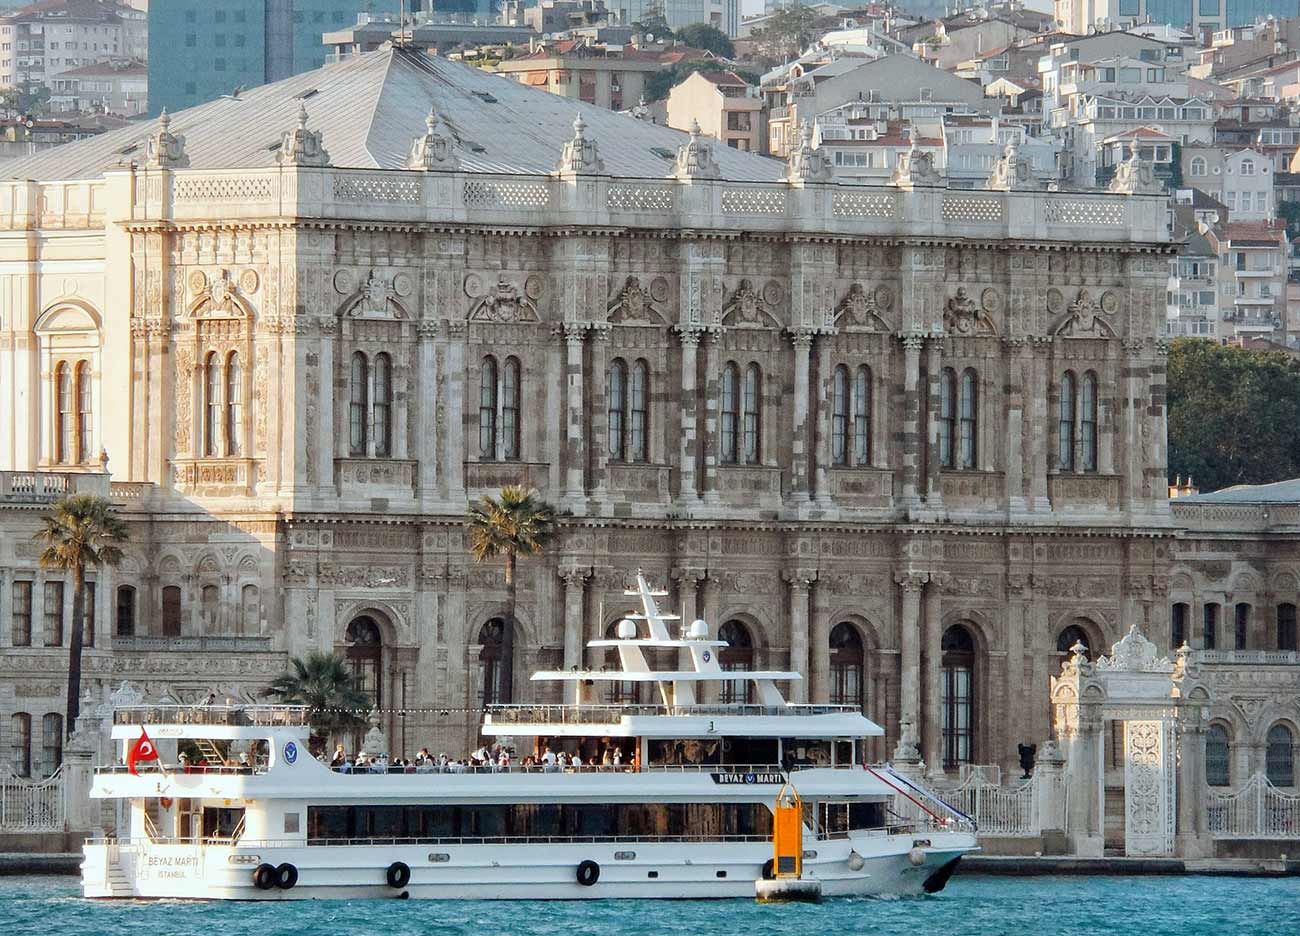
<point x="769" y="869"/>
<point x="588" y="873"/>
<point x="398" y="875"/>
<point x="265" y="876"/>
<point x="286" y="876"/>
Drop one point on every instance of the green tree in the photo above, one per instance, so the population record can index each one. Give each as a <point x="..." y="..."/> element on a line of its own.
<point x="787" y="33"/>
<point x="515" y="523"/>
<point x="707" y="37"/>
<point x="327" y="686"/>
<point x="81" y="532"/>
<point x="660" y="83"/>
<point x="1232" y="414"/>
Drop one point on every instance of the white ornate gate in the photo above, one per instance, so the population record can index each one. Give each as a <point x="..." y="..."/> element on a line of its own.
<point x="1149" y="787"/>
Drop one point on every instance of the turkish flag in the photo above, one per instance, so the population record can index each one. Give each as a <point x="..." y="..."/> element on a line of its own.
<point x="142" y="750"/>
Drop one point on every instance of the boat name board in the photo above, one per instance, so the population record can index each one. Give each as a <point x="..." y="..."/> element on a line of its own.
<point x="746" y="778"/>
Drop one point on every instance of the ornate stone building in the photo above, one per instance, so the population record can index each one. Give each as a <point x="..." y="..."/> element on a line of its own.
<point x="905" y="439"/>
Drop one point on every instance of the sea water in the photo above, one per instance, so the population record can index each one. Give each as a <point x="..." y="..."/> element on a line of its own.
<point x="969" y="906"/>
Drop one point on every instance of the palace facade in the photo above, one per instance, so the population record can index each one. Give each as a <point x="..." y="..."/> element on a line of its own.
<point x="907" y="440"/>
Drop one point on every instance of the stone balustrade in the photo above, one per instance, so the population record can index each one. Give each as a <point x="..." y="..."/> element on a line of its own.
<point x="43" y="487"/>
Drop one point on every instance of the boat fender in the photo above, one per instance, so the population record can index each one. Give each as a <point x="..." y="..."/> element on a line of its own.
<point x="398" y="875"/>
<point x="769" y="870"/>
<point x="286" y="876"/>
<point x="856" y="861"/>
<point x="916" y="856"/>
<point x="264" y="876"/>
<point x="404" y="895"/>
<point x="588" y="873"/>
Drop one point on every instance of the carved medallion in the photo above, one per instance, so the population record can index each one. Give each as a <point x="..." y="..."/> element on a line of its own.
<point x="345" y="283"/>
<point x="248" y="282"/>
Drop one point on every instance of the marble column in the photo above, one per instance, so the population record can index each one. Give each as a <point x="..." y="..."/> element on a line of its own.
<point x="710" y="595"/>
<point x="575" y="584"/>
<point x="801" y="444"/>
<point x="819" y="651"/>
<point x="712" y="366"/>
<point x="1037" y="443"/>
<point x="455" y="409"/>
<point x="1084" y="748"/>
<point x="932" y="716"/>
<point x="599" y="452"/>
<point x="930" y="407"/>
<point x="1013" y="730"/>
<point x="575" y="455"/>
<point x="1191" y="838"/>
<point x="687" y="489"/>
<point x="912" y="344"/>
<point x="688" y="581"/>
<point x="912" y="584"/>
<point x="800" y="581"/>
<point x="822" y="426"/>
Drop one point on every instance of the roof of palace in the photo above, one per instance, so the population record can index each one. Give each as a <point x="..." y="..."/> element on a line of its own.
<point x="1279" y="492"/>
<point x="369" y="109"/>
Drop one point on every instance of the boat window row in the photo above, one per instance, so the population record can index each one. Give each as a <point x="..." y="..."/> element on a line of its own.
<point x="837" y="819"/>
<point x="342" y="824"/>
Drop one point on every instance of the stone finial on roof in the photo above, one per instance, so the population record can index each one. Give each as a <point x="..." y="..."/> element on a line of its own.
<point x="1011" y="173"/>
<point x="1134" y="176"/>
<point x="302" y="147"/>
<point x="436" y="149"/>
<point x="806" y="163"/>
<point x="695" y="158"/>
<point x="916" y="169"/>
<point x="581" y="155"/>
<point x="164" y="149"/>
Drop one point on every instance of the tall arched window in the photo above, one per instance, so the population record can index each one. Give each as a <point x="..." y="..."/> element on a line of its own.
<point x="840" y="416"/>
<point x="171" y="611"/>
<point x="730" y="416"/>
<point x="1279" y="756"/>
<point x="751" y="411"/>
<point x="234" y="403"/>
<point x="1286" y="629"/>
<point x="494" y="670"/>
<point x="51" y="743"/>
<point x="948" y="418"/>
<point x="209" y="610"/>
<point x="969" y="414"/>
<point x="1240" y="625"/>
<point x="957" y="698"/>
<point x="20" y="734"/>
<point x="618" y="692"/>
<point x="358" y="404"/>
<point x="1088" y="422"/>
<point x="847" y="665"/>
<point x="510" y="409"/>
<point x="638" y="447"/>
<point x="862" y="416"/>
<point x="616" y="401"/>
<point x="382" y="411"/>
<point x="1073" y="634"/>
<point x="1210" y="621"/>
<point x="736" y="657"/>
<point x="487" y="408"/>
<point x="85" y="422"/>
<point x="65" y="433"/>
<point x="1065" y="425"/>
<point x="365" y="655"/>
<point x="212" y="380"/>
<point x="1197" y="166"/>
<point x="1217" y="763"/>
<point x="1178" y="625"/>
<point x="250" y="612"/>
<point x="124" y="623"/>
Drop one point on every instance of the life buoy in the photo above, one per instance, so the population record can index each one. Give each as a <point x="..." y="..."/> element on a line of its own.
<point x="398" y="875"/>
<point x="265" y="876"/>
<point x="769" y="869"/>
<point x="286" y="876"/>
<point x="588" y="873"/>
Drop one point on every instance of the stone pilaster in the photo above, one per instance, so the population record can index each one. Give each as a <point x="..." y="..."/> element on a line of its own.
<point x="709" y="595"/>
<point x="933" y="400"/>
<point x="422" y="392"/>
<point x="688" y="582"/>
<point x="454" y="384"/>
<point x="712" y="375"/>
<point x="599" y="409"/>
<point x="575" y="585"/>
<point x="932" y="696"/>
<point x="688" y="417"/>
<point x="575" y="454"/>
<point x="802" y="435"/>
<point x="800" y="582"/>
<point x="912" y="584"/>
<point x="821" y="484"/>
<point x="912" y="345"/>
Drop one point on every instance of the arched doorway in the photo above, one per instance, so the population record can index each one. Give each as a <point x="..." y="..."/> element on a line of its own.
<point x="495" y="682"/>
<point x="736" y="657"/>
<point x="848" y="664"/>
<point x="365" y="655"/>
<point x="957" y="699"/>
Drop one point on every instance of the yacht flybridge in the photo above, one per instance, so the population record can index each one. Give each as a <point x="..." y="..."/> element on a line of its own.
<point x="684" y="808"/>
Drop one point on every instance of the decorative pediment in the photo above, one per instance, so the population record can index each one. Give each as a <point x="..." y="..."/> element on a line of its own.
<point x="217" y="298"/>
<point x="1085" y="317"/>
<point x="503" y="302"/>
<point x="376" y="299"/>
<point x="746" y="309"/>
<point x="1134" y="654"/>
<point x="966" y="317"/>
<point x="636" y="306"/>
<point x="860" y="310"/>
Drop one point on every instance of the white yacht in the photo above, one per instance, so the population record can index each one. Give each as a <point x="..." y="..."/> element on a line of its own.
<point x="687" y="811"/>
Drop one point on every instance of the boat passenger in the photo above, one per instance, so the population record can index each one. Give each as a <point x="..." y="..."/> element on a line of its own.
<point x="549" y="761"/>
<point x="616" y="759"/>
<point x="340" y="757"/>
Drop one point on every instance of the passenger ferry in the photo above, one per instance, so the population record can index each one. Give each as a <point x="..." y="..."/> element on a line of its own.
<point x="689" y="813"/>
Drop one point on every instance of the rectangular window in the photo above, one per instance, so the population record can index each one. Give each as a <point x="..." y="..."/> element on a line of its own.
<point x="88" y="632"/>
<point x="54" y="614"/>
<point x="1286" y="627"/>
<point x="171" y="611"/>
<point x="20" y="634"/>
<point x="1241" y="625"/>
<point x="124" y="625"/>
<point x="1210" y="615"/>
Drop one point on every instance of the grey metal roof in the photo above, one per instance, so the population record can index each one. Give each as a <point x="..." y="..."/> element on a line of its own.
<point x="1279" y="492"/>
<point x="370" y="107"/>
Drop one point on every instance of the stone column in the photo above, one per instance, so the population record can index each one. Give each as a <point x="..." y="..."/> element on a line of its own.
<point x="1013" y="729"/>
<point x="709" y="589"/>
<point x="575" y="456"/>
<point x="819" y="651"/>
<point x="711" y="380"/>
<point x="688" y="451"/>
<point x="912" y="584"/>
<point x="599" y="451"/>
<point x="422" y="392"/>
<point x="1038" y="421"/>
<point x="455" y="409"/>
<point x="1083" y="745"/>
<point x="688" y="581"/>
<point x="1191" y="838"/>
<point x="823" y="422"/>
<point x="1134" y="407"/>
<point x="1013" y="451"/>
<point x="930" y="407"/>
<point x="800" y="581"/>
<point x="912" y="344"/>
<point x="802" y="439"/>
<point x="932" y="716"/>
<point x="575" y="584"/>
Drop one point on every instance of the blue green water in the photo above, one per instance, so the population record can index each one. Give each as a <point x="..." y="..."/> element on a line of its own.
<point x="978" y="906"/>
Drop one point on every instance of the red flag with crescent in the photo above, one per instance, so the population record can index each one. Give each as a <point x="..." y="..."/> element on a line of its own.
<point x="142" y="750"/>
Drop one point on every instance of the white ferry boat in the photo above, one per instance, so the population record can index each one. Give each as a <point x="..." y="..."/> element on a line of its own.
<point x="689" y="813"/>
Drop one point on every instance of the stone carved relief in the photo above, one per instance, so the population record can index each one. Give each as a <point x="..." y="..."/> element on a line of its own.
<point x="184" y="374"/>
<point x="503" y="302"/>
<point x="219" y="297"/>
<point x="964" y="316"/>
<point x="1085" y="317"/>
<point x="374" y="299"/>
<point x="634" y="306"/>
<point x="746" y="309"/>
<point x="1148" y="785"/>
<point x="860" y="310"/>
<point x="1134" y="654"/>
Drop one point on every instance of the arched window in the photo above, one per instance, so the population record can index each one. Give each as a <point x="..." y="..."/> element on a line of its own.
<point x="250" y="612"/>
<point x="840" y="416"/>
<point x="969" y="412"/>
<point x="171" y="611"/>
<point x="616" y="401"/>
<point x="1279" y="756"/>
<point x="1065" y="425"/>
<point x="957" y="697"/>
<point x="234" y="403"/>
<point x="494" y="666"/>
<point x="736" y="657"/>
<point x="365" y="654"/>
<point x="1072" y="635"/>
<point x="1217" y="764"/>
<point x="510" y="409"/>
<point x="862" y="416"/>
<point x="1286" y="630"/>
<point x="1197" y="166"/>
<point x="751" y="410"/>
<point x="65" y="433"/>
<point x="20" y="734"/>
<point x="1210" y="634"/>
<point x="1178" y="625"/>
<point x="1241" y="625"/>
<point x="124" y="625"/>
<point x="51" y="744"/>
<point x="358" y="404"/>
<point x="620" y="692"/>
<point x="947" y="418"/>
<point x="487" y="408"/>
<point x="85" y="422"/>
<point x="638" y="448"/>
<point x="730" y="394"/>
<point x="382" y="413"/>
<point x="1088" y="422"/>
<point x="1247" y="167"/>
<point x="847" y="665"/>
<point x="212" y="378"/>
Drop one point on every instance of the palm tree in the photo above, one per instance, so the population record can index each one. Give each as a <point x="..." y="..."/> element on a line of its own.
<point x="327" y="686"/>
<point x="515" y="523"/>
<point x="81" y="532"/>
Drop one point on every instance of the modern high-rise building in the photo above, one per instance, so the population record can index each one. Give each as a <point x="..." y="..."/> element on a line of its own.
<point x="1193" y="15"/>
<point x="724" y="14"/>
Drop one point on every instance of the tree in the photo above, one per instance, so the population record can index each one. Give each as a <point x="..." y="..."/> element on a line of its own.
<point x="654" y="23"/>
<point x="787" y="33"/>
<point x="660" y="83"/>
<point x="1231" y="412"/>
<point x="707" y="37"/>
<point x="516" y="523"/>
<point x="81" y="532"/>
<point x="327" y="686"/>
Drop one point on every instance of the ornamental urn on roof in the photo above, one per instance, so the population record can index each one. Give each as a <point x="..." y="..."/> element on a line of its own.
<point x="302" y="147"/>
<point x="805" y="162"/>
<point x="1135" y="176"/>
<point x="581" y="155"/>
<point x="1011" y="173"/>
<point x="164" y="149"/>
<point x="695" y="158"/>
<point x="436" y="149"/>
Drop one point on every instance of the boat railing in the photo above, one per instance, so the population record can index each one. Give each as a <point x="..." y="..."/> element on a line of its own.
<point x="155" y="768"/>
<point x="259" y="716"/>
<point x="611" y="714"/>
<point x="566" y="769"/>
